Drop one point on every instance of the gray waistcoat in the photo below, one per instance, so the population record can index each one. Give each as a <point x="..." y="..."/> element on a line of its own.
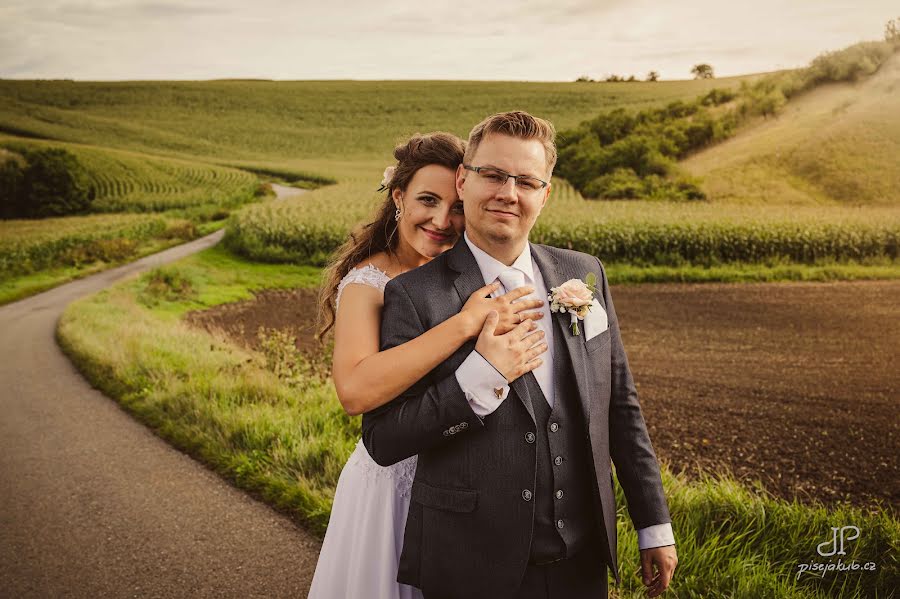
<point x="563" y="521"/>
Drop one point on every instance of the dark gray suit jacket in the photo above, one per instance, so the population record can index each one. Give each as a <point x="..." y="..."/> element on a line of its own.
<point x="468" y="533"/>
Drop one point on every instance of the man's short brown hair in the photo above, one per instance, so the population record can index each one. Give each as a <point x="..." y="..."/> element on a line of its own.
<point x="517" y="124"/>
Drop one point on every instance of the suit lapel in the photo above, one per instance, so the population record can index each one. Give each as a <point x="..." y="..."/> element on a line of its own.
<point x="555" y="275"/>
<point x="469" y="280"/>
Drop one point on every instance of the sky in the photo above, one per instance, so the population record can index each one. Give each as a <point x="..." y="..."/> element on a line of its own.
<point x="525" y="40"/>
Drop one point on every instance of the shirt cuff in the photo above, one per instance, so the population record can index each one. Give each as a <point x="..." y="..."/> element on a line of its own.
<point x="657" y="535"/>
<point x="483" y="385"/>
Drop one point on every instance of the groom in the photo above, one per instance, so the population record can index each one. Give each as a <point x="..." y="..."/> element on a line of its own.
<point x="513" y="495"/>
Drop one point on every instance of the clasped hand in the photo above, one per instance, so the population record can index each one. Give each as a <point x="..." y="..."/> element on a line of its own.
<point x="508" y="338"/>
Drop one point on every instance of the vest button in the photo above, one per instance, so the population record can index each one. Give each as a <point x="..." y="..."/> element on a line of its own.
<point x="554" y="427"/>
<point x="559" y="494"/>
<point x="526" y="495"/>
<point x="560" y="524"/>
<point x="529" y="437"/>
<point x="558" y="460"/>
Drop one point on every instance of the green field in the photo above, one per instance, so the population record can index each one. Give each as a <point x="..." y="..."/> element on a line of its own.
<point x="195" y="150"/>
<point x="180" y="146"/>
<point x="320" y="126"/>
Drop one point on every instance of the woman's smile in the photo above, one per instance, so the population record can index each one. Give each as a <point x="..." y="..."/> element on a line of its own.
<point x="435" y="235"/>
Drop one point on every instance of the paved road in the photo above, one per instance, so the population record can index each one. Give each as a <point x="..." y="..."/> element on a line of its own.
<point x="93" y="504"/>
<point x="285" y="192"/>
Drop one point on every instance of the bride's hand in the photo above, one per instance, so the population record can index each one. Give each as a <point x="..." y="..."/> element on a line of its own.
<point x="511" y="312"/>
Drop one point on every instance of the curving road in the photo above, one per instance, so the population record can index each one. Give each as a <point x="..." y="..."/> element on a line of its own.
<point x="93" y="504"/>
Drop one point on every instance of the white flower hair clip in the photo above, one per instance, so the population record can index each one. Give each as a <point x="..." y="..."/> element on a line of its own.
<point x="386" y="179"/>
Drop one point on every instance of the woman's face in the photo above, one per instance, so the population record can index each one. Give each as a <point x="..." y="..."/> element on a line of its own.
<point x="432" y="217"/>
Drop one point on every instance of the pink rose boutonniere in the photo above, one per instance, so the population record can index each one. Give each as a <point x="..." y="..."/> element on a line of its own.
<point x="575" y="297"/>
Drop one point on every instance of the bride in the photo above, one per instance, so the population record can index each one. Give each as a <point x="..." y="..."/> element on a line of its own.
<point x="421" y="217"/>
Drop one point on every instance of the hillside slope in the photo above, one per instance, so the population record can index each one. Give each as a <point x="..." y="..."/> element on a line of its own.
<point x="279" y="122"/>
<point x="837" y="144"/>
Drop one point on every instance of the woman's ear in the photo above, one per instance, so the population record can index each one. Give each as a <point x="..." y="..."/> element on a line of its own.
<point x="460" y="179"/>
<point x="397" y="196"/>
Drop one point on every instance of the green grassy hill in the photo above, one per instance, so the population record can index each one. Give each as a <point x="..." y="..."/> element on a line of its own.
<point x="839" y="143"/>
<point x="329" y="127"/>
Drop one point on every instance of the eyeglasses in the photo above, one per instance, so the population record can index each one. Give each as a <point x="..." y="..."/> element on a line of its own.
<point x="495" y="178"/>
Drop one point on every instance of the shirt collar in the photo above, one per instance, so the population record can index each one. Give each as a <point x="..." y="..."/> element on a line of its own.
<point x="491" y="267"/>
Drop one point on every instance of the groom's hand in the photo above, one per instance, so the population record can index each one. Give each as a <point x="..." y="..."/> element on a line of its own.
<point x="664" y="559"/>
<point x="513" y="353"/>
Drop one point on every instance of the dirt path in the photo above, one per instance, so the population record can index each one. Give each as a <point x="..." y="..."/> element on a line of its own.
<point x="795" y="384"/>
<point x="93" y="504"/>
<point x="284" y="192"/>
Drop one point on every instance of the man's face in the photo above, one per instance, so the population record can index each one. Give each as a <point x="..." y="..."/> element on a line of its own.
<point x="506" y="213"/>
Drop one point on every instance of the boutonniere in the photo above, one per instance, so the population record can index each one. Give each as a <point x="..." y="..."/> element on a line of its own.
<point x="575" y="297"/>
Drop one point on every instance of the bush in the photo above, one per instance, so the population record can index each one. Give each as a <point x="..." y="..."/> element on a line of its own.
<point x="106" y="250"/>
<point x="166" y="284"/>
<point x="621" y="184"/>
<point x="51" y="183"/>
<point x="12" y="172"/>
<point x="185" y="230"/>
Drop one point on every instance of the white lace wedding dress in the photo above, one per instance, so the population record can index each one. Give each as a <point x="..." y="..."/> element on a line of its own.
<point x="362" y="545"/>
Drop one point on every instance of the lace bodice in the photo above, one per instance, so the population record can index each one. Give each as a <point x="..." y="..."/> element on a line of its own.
<point x="401" y="473"/>
<point x="367" y="275"/>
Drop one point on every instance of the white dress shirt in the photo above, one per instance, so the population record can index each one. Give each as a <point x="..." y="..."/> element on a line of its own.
<point x="478" y="378"/>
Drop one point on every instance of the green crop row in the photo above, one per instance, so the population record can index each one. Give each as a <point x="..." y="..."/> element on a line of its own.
<point x="28" y="246"/>
<point x="309" y="229"/>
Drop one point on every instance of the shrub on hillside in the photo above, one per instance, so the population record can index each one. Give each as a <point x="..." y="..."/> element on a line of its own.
<point x="625" y="184"/>
<point x="51" y="182"/>
<point x="12" y="167"/>
<point x="621" y="155"/>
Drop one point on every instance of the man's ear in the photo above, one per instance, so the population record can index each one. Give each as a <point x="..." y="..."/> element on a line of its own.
<point x="460" y="179"/>
<point x="546" y="195"/>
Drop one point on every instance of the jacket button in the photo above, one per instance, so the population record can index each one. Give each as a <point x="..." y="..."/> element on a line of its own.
<point x="560" y="524"/>
<point x="559" y="494"/>
<point x="526" y="495"/>
<point x="529" y="437"/>
<point x="558" y="460"/>
<point x="554" y="427"/>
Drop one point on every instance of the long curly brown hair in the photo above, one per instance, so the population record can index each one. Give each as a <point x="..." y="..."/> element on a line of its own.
<point x="380" y="235"/>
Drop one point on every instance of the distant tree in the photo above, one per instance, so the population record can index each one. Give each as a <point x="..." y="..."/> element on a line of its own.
<point x="653" y="76"/>
<point x="584" y="79"/>
<point x="702" y="71"/>
<point x="892" y="30"/>
<point x="614" y="78"/>
<point x="12" y="168"/>
<point x="631" y="78"/>
<point x="53" y="183"/>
